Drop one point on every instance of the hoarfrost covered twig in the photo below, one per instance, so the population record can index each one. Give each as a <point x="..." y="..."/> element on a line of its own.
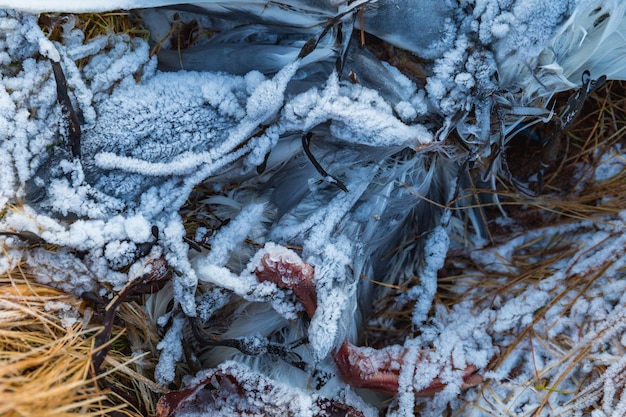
<point x="172" y="351"/>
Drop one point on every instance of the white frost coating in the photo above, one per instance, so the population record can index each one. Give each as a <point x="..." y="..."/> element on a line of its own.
<point x="68" y="313"/>
<point x="340" y="104"/>
<point x="247" y="286"/>
<point x="407" y="380"/>
<point x="61" y="270"/>
<point x="138" y="228"/>
<point x="603" y="318"/>
<point x="221" y="128"/>
<point x="230" y="237"/>
<point x="434" y="258"/>
<point x="171" y="348"/>
<point x="612" y="163"/>
<point x="335" y="299"/>
<point x="47" y="49"/>
<point x="177" y="255"/>
<point x="266" y="99"/>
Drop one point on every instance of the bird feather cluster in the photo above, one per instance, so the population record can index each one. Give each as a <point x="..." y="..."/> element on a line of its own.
<point x="279" y="171"/>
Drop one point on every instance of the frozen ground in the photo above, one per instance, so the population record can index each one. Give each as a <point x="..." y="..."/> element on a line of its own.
<point x="389" y="171"/>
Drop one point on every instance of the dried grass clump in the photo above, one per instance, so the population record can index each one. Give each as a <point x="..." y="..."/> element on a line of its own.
<point x="95" y="24"/>
<point x="120" y="22"/>
<point x="46" y="346"/>
<point x="570" y="190"/>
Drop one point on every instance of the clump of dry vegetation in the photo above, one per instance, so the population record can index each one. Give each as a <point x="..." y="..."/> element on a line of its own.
<point x="47" y="344"/>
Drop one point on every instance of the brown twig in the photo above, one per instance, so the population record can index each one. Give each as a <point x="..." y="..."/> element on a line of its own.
<point x="73" y="132"/>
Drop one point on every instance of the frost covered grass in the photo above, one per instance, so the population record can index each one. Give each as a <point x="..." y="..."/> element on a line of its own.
<point x="554" y="298"/>
<point x="555" y="293"/>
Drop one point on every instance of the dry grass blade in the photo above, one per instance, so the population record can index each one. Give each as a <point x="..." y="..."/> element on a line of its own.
<point x="45" y="358"/>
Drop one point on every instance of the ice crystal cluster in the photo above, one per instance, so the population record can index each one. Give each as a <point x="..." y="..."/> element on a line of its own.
<point x="280" y="88"/>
